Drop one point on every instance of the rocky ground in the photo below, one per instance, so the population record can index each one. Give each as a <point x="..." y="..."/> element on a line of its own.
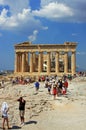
<point x="42" y="112"/>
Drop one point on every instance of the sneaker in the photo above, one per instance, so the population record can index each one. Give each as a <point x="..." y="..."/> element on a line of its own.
<point x="23" y="124"/>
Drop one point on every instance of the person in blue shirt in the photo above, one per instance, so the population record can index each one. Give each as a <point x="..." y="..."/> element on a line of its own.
<point x="37" y="85"/>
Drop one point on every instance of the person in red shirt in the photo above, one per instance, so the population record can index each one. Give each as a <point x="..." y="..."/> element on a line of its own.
<point x="66" y="85"/>
<point x="54" y="91"/>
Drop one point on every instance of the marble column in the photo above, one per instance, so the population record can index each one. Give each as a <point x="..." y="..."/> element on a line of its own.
<point x="48" y="63"/>
<point x="16" y="62"/>
<point x="23" y="62"/>
<point x="26" y="62"/>
<point x="73" y="63"/>
<point x="20" y="62"/>
<point x="40" y="62"/>
<point x="57" y="63"/>
<point x="34" y="61"/>
<point x="31" y="62"/>
<point x="66" y="62"/>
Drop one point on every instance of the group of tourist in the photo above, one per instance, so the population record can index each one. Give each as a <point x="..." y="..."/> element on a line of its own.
<point x="56" y="86"/>
<point x="21" y="80"/>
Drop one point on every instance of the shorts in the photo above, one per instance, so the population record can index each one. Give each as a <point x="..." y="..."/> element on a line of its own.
<point x="21" y="113"/>
<point x="4" y="116"/>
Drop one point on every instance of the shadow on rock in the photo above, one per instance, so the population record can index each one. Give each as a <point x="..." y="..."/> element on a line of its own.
<point x="16" y="127"/>
<point x="31" y="122"/>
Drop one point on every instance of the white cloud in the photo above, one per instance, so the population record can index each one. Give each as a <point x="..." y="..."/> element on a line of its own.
<point x="16" y="6"/>
<point x="1" y="1"/>
<point x="33" y="36"/>
<point x="77" y="8"/>
<point x="45" y="28"/>
<point x="3" y="16"/>
<point x="19" y="16"/>
<point x="54" y="11"/>
<point x="5" y="21"/>
<point x="74" y="34"/>
<point x="25" y="13"/>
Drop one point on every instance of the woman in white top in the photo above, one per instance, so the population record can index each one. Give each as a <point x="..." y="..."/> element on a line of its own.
<point x="4" y="111"/>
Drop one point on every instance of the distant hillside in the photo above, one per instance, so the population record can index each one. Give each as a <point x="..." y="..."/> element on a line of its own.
<point x="80" y="69"/>
<point x="5" y="72"/>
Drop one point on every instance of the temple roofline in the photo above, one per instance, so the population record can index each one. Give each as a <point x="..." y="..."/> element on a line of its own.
<point x="26" y="44"/>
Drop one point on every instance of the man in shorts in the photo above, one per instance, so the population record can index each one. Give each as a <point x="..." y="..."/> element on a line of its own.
<point x="22" y="103"/>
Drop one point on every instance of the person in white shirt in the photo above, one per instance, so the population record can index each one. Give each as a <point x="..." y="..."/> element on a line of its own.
<point x="4" y="112"/>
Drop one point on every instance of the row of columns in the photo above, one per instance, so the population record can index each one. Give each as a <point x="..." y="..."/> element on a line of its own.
<point x="21" y="62"/>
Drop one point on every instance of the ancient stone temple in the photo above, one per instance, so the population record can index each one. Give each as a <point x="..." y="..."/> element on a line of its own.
<point x="45" y="59"/>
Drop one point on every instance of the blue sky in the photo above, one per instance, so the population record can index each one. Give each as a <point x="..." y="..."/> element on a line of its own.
<point x="41" y="22"/>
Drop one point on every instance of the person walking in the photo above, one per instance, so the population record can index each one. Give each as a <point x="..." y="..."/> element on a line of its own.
<point x="54" y="91"/>
<point x="4" y="112"/>
<point x="36" y="85"/>
<point x="22" y="103"/>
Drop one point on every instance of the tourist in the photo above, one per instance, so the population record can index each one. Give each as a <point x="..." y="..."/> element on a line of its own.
<point x="4" y="112"/>
<point x="2" y="83"/>
<point x="36" y="85"/>
<point x="49" y="87"/>
<point x="43" y="78"/>
<point x="54" y="91"/>
<point x="22" y="103"/>
<point x="66" y="85"/>
<point x="46" y="84"/>
<point x="63" y="90"/>
<point x="60" y="84"/>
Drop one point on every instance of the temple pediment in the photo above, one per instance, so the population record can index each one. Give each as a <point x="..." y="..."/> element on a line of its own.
<point x="24" y="44"/>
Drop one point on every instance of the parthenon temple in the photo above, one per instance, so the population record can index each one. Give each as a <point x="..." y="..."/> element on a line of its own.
<point x="45" y="59"/>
